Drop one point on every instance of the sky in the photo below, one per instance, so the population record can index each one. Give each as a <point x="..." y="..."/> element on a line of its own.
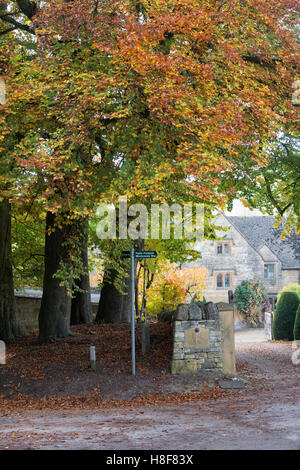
<point x="240" y="210"/>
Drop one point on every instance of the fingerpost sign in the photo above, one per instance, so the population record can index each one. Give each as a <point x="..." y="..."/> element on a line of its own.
<point x="132" y="254"/>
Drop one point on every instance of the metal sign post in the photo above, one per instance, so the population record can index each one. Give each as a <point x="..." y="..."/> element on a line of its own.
<point x="132" y="312"/>
<point x="135" y="255"/>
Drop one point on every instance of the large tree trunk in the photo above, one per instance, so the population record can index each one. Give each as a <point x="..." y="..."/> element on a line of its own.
<point x="55" y="311"/>
<point x="81" y="310"/>
<point x="9" y="324"/>
<point x="114" y="307"/>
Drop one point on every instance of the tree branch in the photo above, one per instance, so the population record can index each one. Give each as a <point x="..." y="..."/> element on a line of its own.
<point x="27" y="8"/>
<point x="254" y="59"/>
<point x="286" y="208"/>
<point x="272" y="198"/>
<point x="17" y="24"/>
<point x="7" y="31"/>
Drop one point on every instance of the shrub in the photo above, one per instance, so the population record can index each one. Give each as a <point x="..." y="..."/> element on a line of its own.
<point x="297" y="325"/>
<point x="290" y="288"/>
<point x="198" y="302"/>
<point x="173" y="286"/>
<point x="284" y="317"/>
<point x="165" y="296"/>
<point x="250" y="299"/>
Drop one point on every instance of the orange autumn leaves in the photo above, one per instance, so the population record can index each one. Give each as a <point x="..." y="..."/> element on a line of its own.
<point x="174" y="285"/>
<point x="147" y="97"/>
<point x="191" y="86"/>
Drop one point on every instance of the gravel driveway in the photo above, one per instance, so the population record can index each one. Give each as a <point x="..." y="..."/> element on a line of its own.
<point x="250" y="335"/>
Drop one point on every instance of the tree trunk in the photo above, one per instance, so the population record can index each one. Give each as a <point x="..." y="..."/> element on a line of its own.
<point x="81" y="309"/>
<point x="55" y="311"/>
<point x="114" y="307"/>
<point x="9" y="324"/>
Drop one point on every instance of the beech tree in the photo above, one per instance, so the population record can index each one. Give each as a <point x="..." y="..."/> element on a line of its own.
<point x="138" y="97"/>
<point x="36" y="132"/>
<point x="9" y="324"/>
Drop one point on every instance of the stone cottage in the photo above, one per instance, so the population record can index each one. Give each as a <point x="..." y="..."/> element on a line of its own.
<point x="251" y="248"/>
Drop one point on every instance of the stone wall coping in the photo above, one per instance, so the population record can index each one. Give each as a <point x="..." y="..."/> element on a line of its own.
<point x="27" y="296"/>
<point x="195" y="321"/>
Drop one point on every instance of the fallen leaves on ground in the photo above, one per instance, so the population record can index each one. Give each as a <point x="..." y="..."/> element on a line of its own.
<point x="58" y="374"/>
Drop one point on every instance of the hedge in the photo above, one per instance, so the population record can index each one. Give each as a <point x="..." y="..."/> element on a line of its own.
<point x="284" y="317"/>
<point x="297" y="325"/>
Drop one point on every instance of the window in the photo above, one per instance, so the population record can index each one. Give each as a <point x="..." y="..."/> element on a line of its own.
<point x="269" y="271"/>
<point x="227" y="280"/>
<point x="223" y="248"/>
<point x="224" y="280"/>
<point x="219" y="280"/>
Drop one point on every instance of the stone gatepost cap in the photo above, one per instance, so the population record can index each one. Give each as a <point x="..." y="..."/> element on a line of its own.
<point x="182" y="312"/>
<point x="195" y="312"/>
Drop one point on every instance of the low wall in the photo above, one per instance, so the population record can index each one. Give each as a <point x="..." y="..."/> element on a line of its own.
<point x="28" y="312"/>
<point x="203" y="340"/>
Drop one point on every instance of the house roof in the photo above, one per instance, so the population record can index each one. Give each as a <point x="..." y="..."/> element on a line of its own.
<point x="260" y="230"/>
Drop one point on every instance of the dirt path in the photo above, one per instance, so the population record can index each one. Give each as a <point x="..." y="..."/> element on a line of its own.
<point x="266" y="415"/>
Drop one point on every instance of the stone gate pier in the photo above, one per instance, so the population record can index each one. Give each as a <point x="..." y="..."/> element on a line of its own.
<point x="203" y="339"/>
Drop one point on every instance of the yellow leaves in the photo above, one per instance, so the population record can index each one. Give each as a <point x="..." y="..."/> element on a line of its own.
<point x="182" y="71"/>
<point x="245" y="203"/>
<point x="192" y="280"/>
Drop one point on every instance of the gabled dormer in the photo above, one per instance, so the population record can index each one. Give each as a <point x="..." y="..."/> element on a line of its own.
<point x="268" y="256"/>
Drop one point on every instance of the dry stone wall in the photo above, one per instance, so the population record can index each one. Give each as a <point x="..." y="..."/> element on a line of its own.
<point x="197" y="337"/>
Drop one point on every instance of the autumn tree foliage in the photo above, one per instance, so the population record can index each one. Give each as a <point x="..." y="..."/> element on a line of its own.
<point x="275" y="187"/>
<point x="173" y="285"/>
<point x="159" y="100"/>
<point x="172" y="88"/>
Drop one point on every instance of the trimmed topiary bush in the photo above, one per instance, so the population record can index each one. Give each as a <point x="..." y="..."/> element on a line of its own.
<point x="284" y="318"/>
<point x="297" y="325"/>
<point x="290" y="288"/>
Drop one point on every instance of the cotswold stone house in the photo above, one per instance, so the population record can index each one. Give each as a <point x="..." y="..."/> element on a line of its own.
<point x="251" y="249"/>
